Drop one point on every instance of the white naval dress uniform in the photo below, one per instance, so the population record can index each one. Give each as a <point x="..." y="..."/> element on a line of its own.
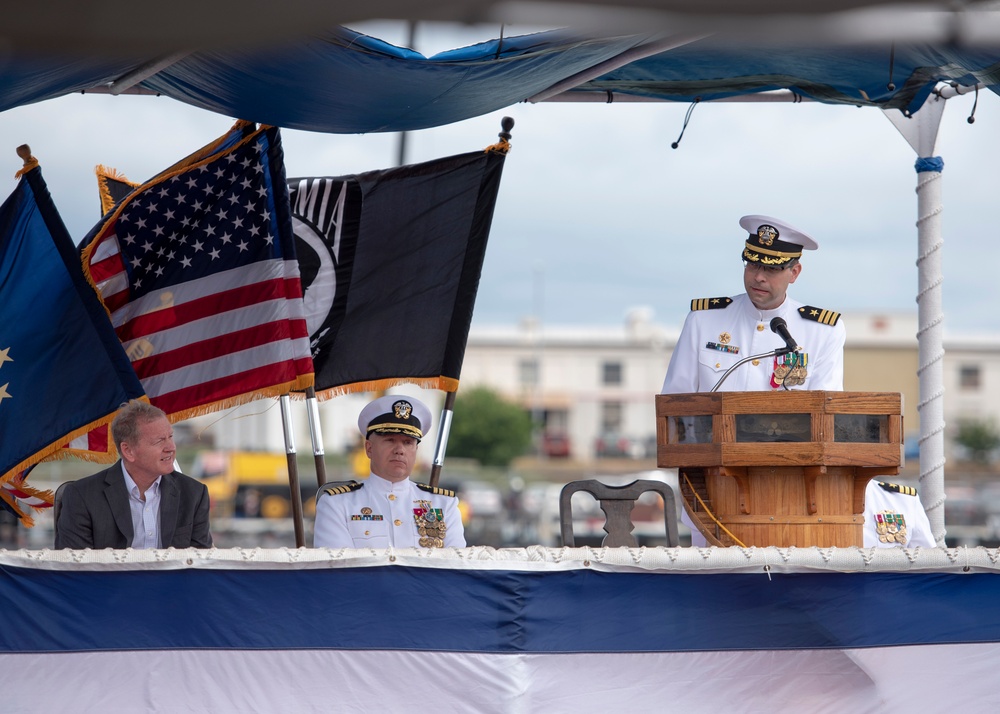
<point x="381" y="514"/>
<point x="712" y="340"/>
<point x="887" y="504"/>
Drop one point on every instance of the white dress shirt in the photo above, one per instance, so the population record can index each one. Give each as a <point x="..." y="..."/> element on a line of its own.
<point x="145" y="512"/>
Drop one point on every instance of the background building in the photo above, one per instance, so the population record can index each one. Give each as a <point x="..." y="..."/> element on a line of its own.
<point x="594" y="385"/>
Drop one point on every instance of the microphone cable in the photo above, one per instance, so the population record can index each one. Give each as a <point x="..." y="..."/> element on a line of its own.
<point x="794" y="364"/>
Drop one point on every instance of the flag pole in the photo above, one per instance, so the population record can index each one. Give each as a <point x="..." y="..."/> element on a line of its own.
<point x="444" y="427"/>
<point x="316" y="433"/>
<point x="293" y="472"/>
<point x="444" y="424"/>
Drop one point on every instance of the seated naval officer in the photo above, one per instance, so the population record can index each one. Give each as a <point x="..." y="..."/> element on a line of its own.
<point x="894" y="517"/>
<point x="388" y="509"/>
<point x="720" y="331"/>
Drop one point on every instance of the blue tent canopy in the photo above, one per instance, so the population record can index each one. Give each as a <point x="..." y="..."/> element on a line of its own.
<point x="340" y="81"/>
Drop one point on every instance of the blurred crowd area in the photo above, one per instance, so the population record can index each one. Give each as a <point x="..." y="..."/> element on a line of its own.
<point x="515" y="507"/>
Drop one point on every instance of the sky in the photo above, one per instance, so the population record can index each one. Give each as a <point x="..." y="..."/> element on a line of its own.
<point x="597" y="214"/>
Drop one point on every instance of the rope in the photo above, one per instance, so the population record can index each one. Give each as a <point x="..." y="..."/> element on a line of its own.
<point x="715" y="520"/>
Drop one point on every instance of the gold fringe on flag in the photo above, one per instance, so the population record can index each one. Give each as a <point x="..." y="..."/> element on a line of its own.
<point x="103" y="174"/>
<point x="55" y="450"/>
<point x="445" y="384"/>
<point x="300" y="384"/>
<point x="26" y="520"/>
<point x="18" y="490"/>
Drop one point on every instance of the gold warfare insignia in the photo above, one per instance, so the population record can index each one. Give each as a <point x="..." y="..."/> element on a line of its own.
<point x="402" y="409"/>
<point x="766" y="234"/>
<point x="890" y="527"/>
<point x="366" y="515"/>
<point x="725" y="338"/>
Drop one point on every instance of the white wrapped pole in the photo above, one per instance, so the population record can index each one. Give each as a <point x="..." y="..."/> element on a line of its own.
<point x="930" y="337"/>
<point x="316" y="433"/>
<point x="920" y="131"/>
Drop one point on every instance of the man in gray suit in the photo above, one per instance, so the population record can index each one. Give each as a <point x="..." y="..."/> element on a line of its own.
<point x="140" y="502"/>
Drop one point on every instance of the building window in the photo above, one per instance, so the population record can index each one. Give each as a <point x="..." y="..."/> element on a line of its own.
<point x="528" y="372"/>
<point x="969" y="377"/>
<point x="611" y="373"/>
<point x="611" y="417"/>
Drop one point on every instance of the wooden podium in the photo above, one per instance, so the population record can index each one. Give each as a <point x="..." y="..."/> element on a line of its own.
<point x="779" y="468"/>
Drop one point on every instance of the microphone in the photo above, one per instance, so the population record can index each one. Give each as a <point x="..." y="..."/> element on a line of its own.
<point x="780" y="328"/>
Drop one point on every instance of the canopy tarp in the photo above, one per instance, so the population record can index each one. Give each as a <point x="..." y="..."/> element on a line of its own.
<point x="340" y="81"/>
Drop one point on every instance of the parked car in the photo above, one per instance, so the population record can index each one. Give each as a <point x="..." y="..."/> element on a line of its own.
<point x="618" y="446"/>
<point x="555" y="444"/>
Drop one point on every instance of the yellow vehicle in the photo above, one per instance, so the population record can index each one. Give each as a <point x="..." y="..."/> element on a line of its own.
<point x="249" y="484"/>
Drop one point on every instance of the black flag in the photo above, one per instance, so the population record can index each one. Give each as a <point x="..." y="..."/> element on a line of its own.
<point x="390" y="263"/>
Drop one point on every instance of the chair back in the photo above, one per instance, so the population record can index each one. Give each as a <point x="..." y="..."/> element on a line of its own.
<point x="56" y="506"/>
<point x="617" y="503"/>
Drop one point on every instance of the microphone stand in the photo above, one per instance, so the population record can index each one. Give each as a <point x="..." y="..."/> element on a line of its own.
<point x="773" y="353"/>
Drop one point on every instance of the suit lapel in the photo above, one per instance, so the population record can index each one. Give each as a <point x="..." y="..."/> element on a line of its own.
<point x="170" y="499"/>
<point x="117" y="495"/>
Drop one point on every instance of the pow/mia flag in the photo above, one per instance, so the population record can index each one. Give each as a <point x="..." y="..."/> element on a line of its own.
<point x="390" y="263"/>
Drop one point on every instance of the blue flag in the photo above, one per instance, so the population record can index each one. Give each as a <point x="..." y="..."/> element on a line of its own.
<point x="63" y="371"/>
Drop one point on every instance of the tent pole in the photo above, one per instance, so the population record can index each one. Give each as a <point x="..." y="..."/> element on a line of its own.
<point x="920" y="131"/>
<point x="293" y="472"/>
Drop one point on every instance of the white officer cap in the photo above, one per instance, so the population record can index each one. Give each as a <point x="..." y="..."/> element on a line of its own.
<point x="395" y="414"/>
<point x="772" y="241"/>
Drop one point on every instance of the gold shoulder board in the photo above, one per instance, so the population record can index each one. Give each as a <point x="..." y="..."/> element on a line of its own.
<point x="435" y="490"/>
<point x="818" y="314"/>
<point x="710" y="303"/>
<point x="896" y="488"/>
<point x="339" y="487"/>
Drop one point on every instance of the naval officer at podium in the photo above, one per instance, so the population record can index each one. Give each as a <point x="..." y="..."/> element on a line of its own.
<point x="720" y="331"/>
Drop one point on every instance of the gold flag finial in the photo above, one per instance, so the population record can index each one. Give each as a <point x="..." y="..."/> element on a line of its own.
<point x="30" y="162"/>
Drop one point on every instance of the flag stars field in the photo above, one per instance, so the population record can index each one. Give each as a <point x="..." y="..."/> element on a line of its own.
<point x="230" y="206"/>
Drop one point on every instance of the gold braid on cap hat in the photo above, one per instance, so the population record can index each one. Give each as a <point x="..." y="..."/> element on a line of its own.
<point x="751" y="253"/>
<point x="396" y="428"/>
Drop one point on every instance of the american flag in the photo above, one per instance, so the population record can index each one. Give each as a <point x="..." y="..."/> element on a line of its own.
<point x="198" y="271"/>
